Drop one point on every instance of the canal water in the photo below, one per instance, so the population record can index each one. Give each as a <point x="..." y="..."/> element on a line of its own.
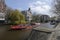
<point x="14" y="34"/>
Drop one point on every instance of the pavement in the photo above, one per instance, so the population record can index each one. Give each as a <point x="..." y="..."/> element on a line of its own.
<point x="45" y="31"/>
<point x="47" y="28"/>
<point x="56" y="34"/>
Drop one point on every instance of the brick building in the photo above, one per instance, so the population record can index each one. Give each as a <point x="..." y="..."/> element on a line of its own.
<point x="2" y="6"/>
<point x="2" y="10"/>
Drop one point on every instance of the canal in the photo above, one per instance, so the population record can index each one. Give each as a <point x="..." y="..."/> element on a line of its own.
<point x="14" y="34"/>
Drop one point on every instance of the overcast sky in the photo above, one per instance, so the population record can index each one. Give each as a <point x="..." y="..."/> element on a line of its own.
<point x="38" y="6"/>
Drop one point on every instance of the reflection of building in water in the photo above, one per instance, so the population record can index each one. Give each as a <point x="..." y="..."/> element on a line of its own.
<point x="2" y="10"/>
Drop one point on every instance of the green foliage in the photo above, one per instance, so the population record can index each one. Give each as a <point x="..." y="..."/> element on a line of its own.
<point x="36" y="18"/>
<point x="16" y="17"/>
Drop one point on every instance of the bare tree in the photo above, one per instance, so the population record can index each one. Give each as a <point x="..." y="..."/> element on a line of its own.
<point x="57" y="7"/>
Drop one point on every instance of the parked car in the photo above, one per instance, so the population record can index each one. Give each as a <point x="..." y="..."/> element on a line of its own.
<point x="53" y="22"/>
<point x="37" y="23"/>
<point x="33" y="24"/>
<point x="29" y="27"/>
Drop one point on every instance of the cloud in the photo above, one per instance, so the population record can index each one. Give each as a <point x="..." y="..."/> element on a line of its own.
<point x="40" y="7"/>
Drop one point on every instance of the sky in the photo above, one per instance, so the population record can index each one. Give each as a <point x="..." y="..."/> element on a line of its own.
<point x="38" y="6"/>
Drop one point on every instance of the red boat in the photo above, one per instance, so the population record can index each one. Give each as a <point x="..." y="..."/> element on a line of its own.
<point x="15" y="27"/>
<point x="28" y="27"/>
<point x="18" y="27"/>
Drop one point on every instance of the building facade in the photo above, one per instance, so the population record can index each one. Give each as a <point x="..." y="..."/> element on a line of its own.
<point x="44" y="18"/>
<point x="27" y="14"/>
<point x="2" y="10"/>
<point x="2" y="6"/>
